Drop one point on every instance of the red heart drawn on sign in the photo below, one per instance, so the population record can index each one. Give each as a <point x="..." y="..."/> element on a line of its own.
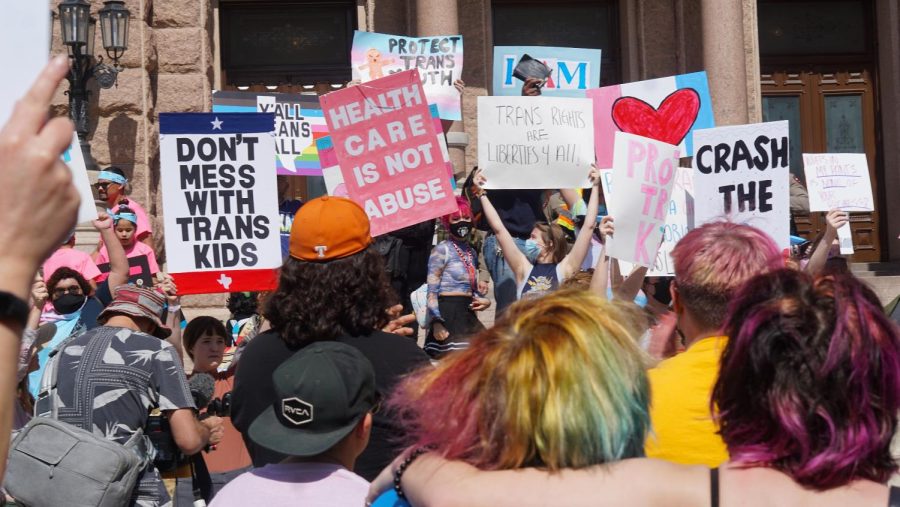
<point x="669" y="123"/>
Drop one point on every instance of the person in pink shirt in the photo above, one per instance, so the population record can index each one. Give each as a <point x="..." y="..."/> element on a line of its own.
<point x="112" y="187"/>
<point x="141" y="259"/>
<point x="68" y="257"/>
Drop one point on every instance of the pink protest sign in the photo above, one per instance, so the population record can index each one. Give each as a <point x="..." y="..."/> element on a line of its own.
<point x="388" y="151"/>
<point x="643" y="174"/>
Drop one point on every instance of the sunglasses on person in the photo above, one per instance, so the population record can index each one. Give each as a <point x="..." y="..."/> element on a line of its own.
<point x="62" y="291"/>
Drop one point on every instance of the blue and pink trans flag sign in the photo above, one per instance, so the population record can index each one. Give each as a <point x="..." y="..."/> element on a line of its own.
<point x="573" y="70"/>
<point x="439" y="60"/>
<point x="667" y="109"/>
<point x="298" y="124"/>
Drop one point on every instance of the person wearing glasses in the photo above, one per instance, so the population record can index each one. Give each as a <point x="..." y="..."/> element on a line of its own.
<point x="113" y="188"/>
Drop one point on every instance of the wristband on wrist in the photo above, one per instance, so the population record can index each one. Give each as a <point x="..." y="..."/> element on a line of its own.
<point x="398" y="474"/>
<point x="14" y="308"/>
<point x="174" y="308"/>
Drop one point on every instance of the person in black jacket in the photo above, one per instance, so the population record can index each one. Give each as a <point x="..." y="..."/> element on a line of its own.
<point x="333" y="286"/>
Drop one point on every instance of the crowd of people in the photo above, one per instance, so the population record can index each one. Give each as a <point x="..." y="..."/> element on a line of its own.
<point x="754" y="376"/>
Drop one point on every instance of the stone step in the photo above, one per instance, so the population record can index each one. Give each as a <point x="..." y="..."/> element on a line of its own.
<point x="886" y="287"/>
<point x="868" y="269"/>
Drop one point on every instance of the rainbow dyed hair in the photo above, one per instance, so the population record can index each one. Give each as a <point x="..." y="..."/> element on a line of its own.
<point x="714" y="260"/>
<point x="810" y="380"/>
<point x="558" y="382"/>
<point x="465" y="211"/>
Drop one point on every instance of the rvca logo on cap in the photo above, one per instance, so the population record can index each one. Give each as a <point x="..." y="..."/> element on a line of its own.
<point x="297" y="411"/>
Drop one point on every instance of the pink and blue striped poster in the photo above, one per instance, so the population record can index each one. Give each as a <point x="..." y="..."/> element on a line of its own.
<point x="667" y="109"/>
<point x="298" y="124"/>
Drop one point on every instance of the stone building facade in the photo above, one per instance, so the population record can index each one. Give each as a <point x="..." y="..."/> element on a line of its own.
<point x="175" y="61"/>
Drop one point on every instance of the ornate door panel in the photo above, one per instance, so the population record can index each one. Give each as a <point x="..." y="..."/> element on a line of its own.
<point x="828" y="113"/>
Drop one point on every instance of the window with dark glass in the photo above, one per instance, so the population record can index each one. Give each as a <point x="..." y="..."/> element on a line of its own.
<point x="591" y="24"/>
<point x="814" y="27"/>
<point x="286" y="42"/>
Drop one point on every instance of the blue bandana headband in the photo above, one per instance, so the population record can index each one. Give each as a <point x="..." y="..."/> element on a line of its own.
<point x="131" y="217"/>
<point x="113" y="177"/>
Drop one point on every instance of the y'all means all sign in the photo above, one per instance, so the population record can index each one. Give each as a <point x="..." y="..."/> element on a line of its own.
<point x="388" y="152"/>
<point x="535" y="142"/>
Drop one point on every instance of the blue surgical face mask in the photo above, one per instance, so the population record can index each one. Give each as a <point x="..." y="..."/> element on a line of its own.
<point x="532" y="250"/>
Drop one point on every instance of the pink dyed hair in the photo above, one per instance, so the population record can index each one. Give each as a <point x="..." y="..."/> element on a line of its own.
<point x="809" y="382"/>
<point x="464" y="211"/>
<point x="714" y="260"/>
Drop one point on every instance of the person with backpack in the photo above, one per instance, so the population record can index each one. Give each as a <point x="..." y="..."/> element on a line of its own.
<point x="107" y="381"/>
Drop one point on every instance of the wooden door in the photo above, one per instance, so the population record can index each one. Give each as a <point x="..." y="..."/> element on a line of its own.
<point x="828" y="113"/>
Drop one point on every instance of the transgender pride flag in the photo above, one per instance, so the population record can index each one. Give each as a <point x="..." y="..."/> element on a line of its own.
<point x="667" y="109"/>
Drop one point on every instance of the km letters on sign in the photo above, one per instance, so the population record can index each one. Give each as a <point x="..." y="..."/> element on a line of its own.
<point x="572" y="70"/>
<point x="741" y="173"/>
<point x="535" y="142"/>
<point x="390" y="158"/>
<point x="220" y="201"/>
<point x="643" y="175"/>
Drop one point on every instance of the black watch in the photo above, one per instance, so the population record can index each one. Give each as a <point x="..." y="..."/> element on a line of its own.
<point x="13" y="308"/>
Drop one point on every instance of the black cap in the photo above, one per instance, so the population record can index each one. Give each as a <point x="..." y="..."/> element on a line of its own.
<point x="322" y="392"/>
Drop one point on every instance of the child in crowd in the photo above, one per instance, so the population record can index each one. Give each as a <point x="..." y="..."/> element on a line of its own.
<point x="141" y="259"/>
<point x="321" y="418"/>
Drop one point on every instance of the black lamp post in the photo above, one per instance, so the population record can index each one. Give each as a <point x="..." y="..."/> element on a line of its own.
<point x="78" y="32"/>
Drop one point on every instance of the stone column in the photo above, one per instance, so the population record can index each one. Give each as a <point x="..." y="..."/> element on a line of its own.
<point x="731" y="59"/>
<point x="887" y="19"/>
<point x="439" y="17"/>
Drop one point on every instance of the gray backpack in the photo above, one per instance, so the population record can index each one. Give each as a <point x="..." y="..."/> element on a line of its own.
<point x="54" y="463"/>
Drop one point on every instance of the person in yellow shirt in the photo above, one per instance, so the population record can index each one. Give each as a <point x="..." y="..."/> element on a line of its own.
<point x="711" y="263"/>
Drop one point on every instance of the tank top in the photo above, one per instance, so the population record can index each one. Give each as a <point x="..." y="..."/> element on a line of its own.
<point x="542" y="279"/>
<point x="893" y="496"/>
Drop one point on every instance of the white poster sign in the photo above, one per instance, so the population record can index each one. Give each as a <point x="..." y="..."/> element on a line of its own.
<point x="679" y="220"/>
<point x="643" y="175"/>
<point x="838" y="181"/>
<point x="220" y="199"/>
<point x="25" y="33"/>
<point x="742" y="174"/>
<point x="535" y="142"/>
<point x="74" y="158"/>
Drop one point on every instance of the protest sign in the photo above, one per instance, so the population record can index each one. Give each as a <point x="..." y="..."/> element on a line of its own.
<point x="838" y="181"/>
<point x="535" y="142"/>
<point x="742" y="173"/>
<point x="25" y="33"/>
<point x="573" y="70"/>
<point x="679" y="219"/>
<point x="439" y="60"/>
<point x="331" y="170"/>
<point x="298" y="123"/>
<point x="667" y="109"/>
<point x="390" y="159"/>
<point x="220" y="200"/>
<point x="74" y="158"/>
<point x="643" y="175"/>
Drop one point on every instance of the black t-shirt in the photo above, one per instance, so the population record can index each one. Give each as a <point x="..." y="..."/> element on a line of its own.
<point x="392" y="356"/>
<point x="519" y="210"/>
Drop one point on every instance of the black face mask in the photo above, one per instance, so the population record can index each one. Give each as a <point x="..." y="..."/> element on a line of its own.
<point x="68" y="303"/>
<point x="461" y="229"/>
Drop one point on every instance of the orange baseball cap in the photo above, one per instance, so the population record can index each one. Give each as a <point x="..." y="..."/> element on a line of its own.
<point x="328" y="228"/>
